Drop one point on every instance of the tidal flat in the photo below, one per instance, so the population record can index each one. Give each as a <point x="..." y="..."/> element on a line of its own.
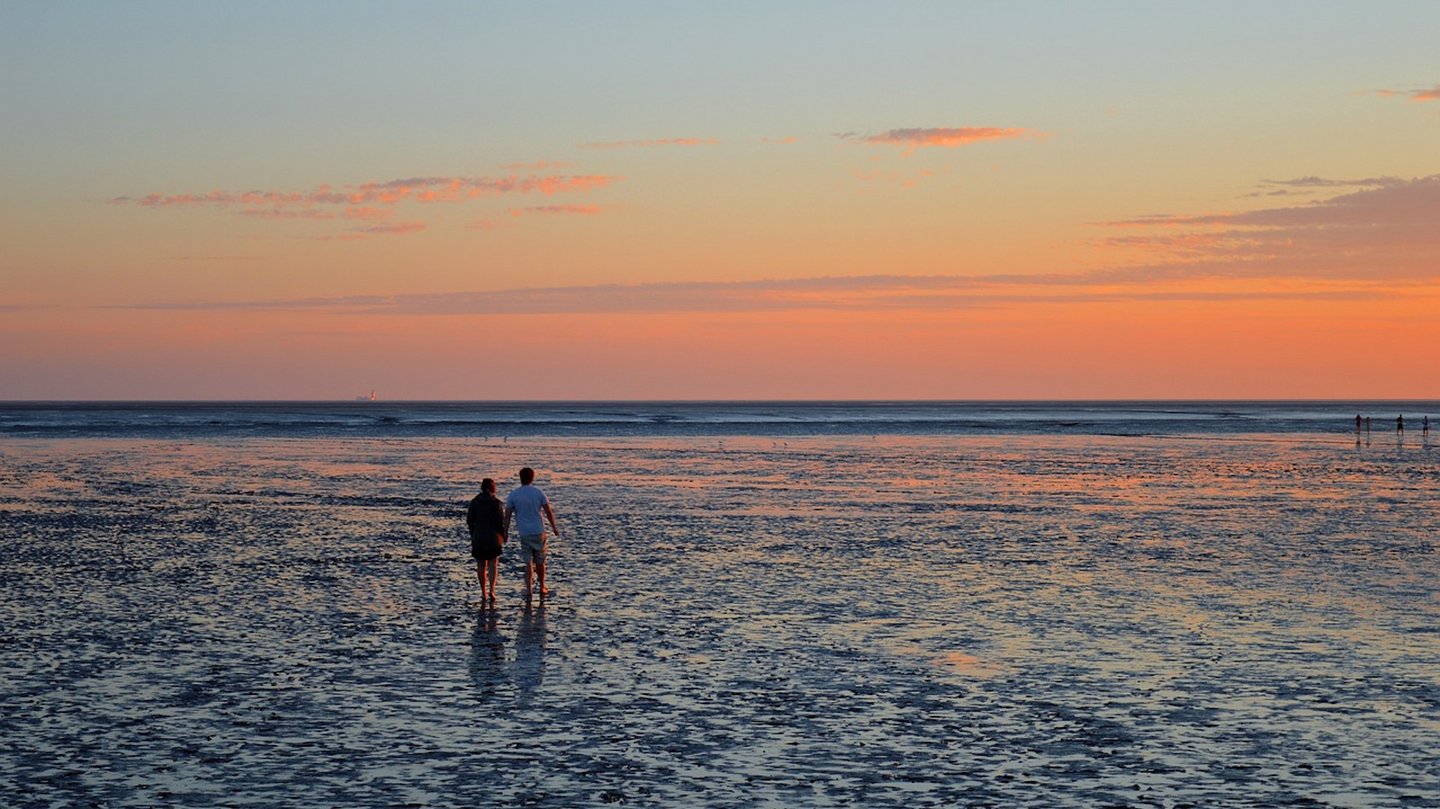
<point x="1238" y="620"/>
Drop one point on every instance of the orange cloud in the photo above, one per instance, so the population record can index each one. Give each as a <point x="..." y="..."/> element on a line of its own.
<point x="557" y="185"/>
<point x="631" y="144"/>
<point x="943" y="137"/>
<point x="1432" y="94"/>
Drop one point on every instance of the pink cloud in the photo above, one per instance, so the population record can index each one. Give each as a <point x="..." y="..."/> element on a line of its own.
<point x="942" y="137"/>
<point x="631" y="144"/>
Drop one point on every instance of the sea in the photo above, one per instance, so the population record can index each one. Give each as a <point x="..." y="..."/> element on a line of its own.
<point x="754" y="604"/>
<point x="598" y="419"/>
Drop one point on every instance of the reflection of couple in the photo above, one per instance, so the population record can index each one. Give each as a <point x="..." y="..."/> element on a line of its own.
<point x="487" y="651"/>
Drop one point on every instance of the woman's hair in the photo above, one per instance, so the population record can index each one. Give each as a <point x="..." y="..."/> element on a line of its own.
<point x="487" y="485"/>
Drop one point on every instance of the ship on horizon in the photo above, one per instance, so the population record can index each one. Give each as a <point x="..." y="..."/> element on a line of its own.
<point x="369" y="398"/>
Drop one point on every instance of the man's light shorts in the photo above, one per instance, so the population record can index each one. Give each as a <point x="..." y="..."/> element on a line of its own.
<point x="532" y="548"/>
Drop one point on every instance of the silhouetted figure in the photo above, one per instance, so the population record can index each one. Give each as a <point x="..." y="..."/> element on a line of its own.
<point x="527" y="505"/>
<point x="1367" y="424"/>
<point x="1400" y="423"/>
<point x="1357" y="422"/>
<point x="1425" y="425"/>
<point x="486" y="520"/>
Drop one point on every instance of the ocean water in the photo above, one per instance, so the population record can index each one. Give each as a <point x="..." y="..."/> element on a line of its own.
<point x="981" y="612"/>
<point x="501" y="419"/>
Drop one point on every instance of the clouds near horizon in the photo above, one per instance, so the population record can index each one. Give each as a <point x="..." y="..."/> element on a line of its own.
<point x="872" y="294"/>
<point x="1386" y="230"/>
<point x="1362" y="245"/>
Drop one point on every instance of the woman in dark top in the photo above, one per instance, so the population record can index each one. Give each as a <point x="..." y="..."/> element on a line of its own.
<point x="486" y="520"/>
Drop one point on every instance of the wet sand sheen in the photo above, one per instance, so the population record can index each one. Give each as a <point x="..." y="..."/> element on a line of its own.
<point x="738" y="621"/>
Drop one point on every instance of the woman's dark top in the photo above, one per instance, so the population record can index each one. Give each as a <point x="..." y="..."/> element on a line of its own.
<point x="486" y="520"/>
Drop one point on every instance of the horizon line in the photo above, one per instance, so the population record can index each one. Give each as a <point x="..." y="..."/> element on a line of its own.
<point x="578" y="401"/>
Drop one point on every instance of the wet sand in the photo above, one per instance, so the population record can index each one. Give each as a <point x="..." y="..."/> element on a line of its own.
<point x="1019" y="621"/>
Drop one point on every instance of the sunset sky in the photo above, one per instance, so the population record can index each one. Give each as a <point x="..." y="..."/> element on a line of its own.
<point x="740" y="200"/>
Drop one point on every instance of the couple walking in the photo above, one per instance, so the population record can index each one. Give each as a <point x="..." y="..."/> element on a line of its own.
<point x="489" y="526"/>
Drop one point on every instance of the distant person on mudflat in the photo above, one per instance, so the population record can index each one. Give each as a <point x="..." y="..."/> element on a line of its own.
<point x="1357" y="422"/>
<point x="486" y="520"/>
<point x="1400" y="423"/>
<point x="527" y="505"/>
<point x="1425" y="425"/>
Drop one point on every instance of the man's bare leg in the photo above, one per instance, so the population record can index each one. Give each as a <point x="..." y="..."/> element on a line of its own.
<point x="529" y="577"/>
<point x="540" y="574"/>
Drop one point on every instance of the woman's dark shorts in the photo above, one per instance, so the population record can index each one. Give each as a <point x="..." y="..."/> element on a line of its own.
<point x="484" y="549"/>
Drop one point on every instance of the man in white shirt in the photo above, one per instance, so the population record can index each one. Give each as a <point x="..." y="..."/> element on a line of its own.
<point x="526" y="505"/>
